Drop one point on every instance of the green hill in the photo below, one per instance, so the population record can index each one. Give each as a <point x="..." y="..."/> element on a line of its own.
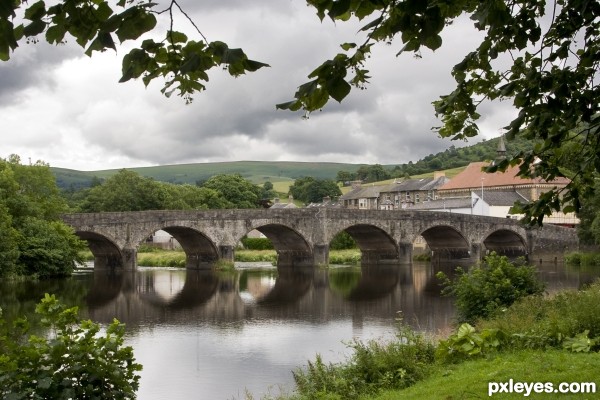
<point x="283" y="173"/>
<point x="255" y="171"/>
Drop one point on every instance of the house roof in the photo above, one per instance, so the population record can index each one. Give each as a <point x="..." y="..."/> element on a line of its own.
<point x="412" y="185"/>
<point x="284" y="205"/>
<point x="366" y="192"/>
<point x="473" y="177"/>
<point x="503" y="197"/>
<point x="325" y="204"/>
<point x="440" y="204"/>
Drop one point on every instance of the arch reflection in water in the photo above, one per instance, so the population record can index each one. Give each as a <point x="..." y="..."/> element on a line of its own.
<point x="155" y="296"/>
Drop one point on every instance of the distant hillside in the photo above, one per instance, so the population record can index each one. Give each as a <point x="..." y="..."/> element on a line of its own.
<point x="287" y="171"/>
<point x="255" y="171"/>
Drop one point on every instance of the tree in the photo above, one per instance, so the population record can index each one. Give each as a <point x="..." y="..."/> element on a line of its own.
<point x="33" y="240"/>
<point x="544" y="56"/>
<point x="96" y="25"/>
<point x="125" y="191"/>
<point x="75" y="361"/>
<point x="312" y="190"/>
<point x="237" y="191"/>
<point x="372" y="173"/>
<point x="129" y="191"/>
<point x="488" y="287"/>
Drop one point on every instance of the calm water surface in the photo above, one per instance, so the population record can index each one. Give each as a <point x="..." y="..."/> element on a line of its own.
<point x="220" y="335"/>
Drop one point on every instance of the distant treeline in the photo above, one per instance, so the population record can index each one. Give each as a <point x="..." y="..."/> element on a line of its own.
<point x="450" y="158"/>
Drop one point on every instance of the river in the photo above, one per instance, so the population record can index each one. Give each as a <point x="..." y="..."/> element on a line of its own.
<point x="226" y="335"/>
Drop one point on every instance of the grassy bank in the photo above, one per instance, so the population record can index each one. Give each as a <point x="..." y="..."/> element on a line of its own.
<point x="152" y="257"/>
<point x="581" y="258"/>
<point x="538" y="339"/>
<point x="470" y="379"/>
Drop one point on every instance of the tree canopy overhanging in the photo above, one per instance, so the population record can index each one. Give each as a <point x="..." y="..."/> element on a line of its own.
<point x="542" y="55"/>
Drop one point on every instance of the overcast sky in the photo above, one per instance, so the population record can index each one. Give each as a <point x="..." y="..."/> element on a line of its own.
<point x="59" y="106"/>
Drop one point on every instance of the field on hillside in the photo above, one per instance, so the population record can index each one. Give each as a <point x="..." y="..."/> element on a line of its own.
<point x="257" y="172"/>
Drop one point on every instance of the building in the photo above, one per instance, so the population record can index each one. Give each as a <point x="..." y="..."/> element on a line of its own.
<point x="395" y="196"/>
<point x="499" y="191"/>
<point x="362" y="197"/>
<point x="407" y="193"/>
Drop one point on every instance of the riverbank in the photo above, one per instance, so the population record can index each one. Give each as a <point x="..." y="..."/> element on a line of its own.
<point x="478" y="378"/>
<point x="153" y="257"/>
<point x="558" y="343"/>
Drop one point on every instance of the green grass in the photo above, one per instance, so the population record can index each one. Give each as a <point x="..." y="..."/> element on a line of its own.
<point x="469" y="380"/>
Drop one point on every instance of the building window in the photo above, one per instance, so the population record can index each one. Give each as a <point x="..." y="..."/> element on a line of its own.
<point x="417" y="198"/>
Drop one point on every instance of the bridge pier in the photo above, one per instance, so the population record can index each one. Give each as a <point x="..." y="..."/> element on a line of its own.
<point x="227" y="253"/>
<point x="321" y="254"/>
<point x="129" y="257"/>
<point x="405" y="252"/>
<point x="107" y="261"/>
<point x="477" y="251"/>
<point x="294" y="258"/>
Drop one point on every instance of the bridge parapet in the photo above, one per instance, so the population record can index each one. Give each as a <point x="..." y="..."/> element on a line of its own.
<point x="302" y="236"/>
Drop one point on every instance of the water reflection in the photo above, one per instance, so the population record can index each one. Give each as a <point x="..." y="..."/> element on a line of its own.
<point x="206" y="334"/>
<point x="309" y="294"/>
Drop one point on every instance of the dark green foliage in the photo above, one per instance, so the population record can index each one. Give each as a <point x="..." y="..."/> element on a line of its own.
<point x="579" y="258"/>
<point x="373" y="367"/>
<point x="342" y="241"/>
<point x="47" y="248"/>
<point x="73" y="361"/>
<point x="257" y="243"/>
<point x="99" y="25"/>
<point x="494" y="284"/>
<point x="466" y="342"/>
<point x="33" y="241"/>
<point x="313" y="190"/>
<point x="550" y="78"/>
<point x="537" y="322"/>
<point x="237" y="191"/>
<point x="129" y="191"/>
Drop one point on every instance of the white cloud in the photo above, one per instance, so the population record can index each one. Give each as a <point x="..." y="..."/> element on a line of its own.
<point x="69" y="110"/>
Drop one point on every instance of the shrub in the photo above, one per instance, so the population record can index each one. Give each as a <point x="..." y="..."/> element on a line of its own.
<point x="73" y="362"/>
<point x="467" y="342"/>
<point x="536" y="322"/>
<point x="494" y="284"/>
<point x="373" y="366"/>
<point x="257" y="243"/>
<point x="342" y="241"/>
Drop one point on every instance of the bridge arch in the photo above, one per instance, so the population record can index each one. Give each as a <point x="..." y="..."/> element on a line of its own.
<point x="506" y="242"/>
<point x="107" y="254"/>
<point x="199" y="249"/>
<point x="446" y="242"/>
<point x="375" y="243"/>
<point x="292" y="248"/>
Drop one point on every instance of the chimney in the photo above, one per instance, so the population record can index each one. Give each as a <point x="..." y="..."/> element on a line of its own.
<point x="438" y="174"/>
<point x="326" y="199"/>
<point x="276" y="200"/>
<point x="356" y="184"/>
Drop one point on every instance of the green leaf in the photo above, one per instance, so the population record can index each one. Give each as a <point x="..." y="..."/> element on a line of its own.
<point x="294" y="105"/>
<point x="338" y="89"/>
<point x="176" y="37"/>
<point x="55" y="34"/>
<point x="34" y="28"/>
<point x="36" y="11"/>
<point x="433" y="42"/>
<point x="135" y="25"/>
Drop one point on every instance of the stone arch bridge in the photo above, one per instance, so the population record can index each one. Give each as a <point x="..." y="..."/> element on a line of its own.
<point x="301" y="237"/>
